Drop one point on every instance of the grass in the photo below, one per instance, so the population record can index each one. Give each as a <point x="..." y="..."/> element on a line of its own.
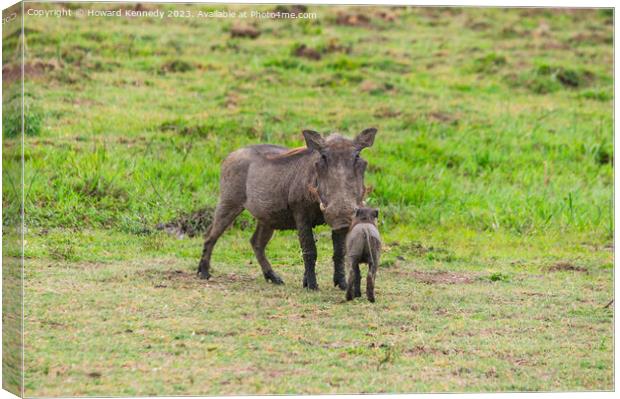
<point x="492" y="166"/>
<point x="448" y="319"/>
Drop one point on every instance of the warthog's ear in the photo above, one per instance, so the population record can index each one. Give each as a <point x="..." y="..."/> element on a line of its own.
<point x="314" y="140"/>
<point x="366" y="138"/>
<point x="375" y="213"/>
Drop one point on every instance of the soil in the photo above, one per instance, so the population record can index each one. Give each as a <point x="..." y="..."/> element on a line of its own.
<point x="244" y="31"/>
<point x="347" y="19"/>
<point x="304" y="51"/>
<point x="12" y="72"/>
<point x="443" y="117"/>
<point x="567" y="266"/>
<point x="442" y="277"/>
<point x="189" y="224"/>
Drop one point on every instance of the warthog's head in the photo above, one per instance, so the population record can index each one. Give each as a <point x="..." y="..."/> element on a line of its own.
<point x="340" y="174"/>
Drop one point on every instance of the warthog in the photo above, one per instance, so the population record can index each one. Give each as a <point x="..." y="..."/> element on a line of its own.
<point x="363" y="246"/>
<point x="293" y="189"/>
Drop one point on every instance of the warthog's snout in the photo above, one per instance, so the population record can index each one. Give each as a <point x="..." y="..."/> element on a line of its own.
<point x="338" y="215"/>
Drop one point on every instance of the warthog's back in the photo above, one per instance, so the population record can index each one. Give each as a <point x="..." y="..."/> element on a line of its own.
<point x="271" y="180"/>
<point x="363" y="241"/>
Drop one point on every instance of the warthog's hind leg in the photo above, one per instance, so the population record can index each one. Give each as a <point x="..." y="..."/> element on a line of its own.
<point x="223" y="217"/>
<point x="259" y="241"/>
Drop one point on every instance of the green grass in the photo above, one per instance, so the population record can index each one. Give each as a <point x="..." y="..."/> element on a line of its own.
<point x="493" y="163"/>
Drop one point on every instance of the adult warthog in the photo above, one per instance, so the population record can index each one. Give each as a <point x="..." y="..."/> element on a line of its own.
<point x="287" y="189"/>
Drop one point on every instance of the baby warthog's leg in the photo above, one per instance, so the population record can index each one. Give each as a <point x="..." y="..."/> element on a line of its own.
<point x="358" y="280"/>
<point x="370" y="280"/>
<point x="259" y="241"/>
<point x="351" y="264"/>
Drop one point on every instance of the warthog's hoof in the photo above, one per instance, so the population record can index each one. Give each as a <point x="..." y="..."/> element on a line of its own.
<point x="349" y="296"/>
<point x="311" y="286"/>
<point x="371" y="298"/>
<point x="341" y="283"/>
<point x="204" y="275"/>
<point x="203" y="270"/>
<point x="273" y="277"/>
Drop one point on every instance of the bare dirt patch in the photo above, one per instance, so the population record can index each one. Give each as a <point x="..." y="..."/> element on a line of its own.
<point x="12" y="72"/>
<point x="421" y="350"/>
<point x="196" y="223"/>
<point x="443" y="117"/>
<point x="477" y="24"/>
<point x="304" y="51"/>
<point x="189" y="224"/>
<point x="591" y="38"/>
<point x="553" y="45"/>
<point x="169" y="278"/>
<point x="567" y="266"/>
<point x="234" y="277"/>
<point x="353" y="19"/>
<point x="386" y="16"/>
<point x="294" y="8"/>
<point x="385" y="112"/>
<point x="316" y="53"/>
<point x="334" y="46"/>
<point x="372" y="87"/>
<point x="246" y="31"/>
<point x="442" y="277"/>
<point x="176" y="66"/>
<point x="189" y="279"/>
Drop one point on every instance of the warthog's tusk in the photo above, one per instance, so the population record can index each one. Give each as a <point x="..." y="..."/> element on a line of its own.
<point x="322" y="206"/>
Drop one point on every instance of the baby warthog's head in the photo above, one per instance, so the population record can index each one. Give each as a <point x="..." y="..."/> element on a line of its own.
<point x="365" y="215"/>
<point x="340" y="174"/>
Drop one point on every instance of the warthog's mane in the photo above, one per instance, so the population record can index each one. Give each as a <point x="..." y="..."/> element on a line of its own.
<point x="335" y="139"/>
<point x="293" y="152"/>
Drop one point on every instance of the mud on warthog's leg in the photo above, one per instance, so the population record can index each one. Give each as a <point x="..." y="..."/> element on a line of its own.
<point x="339" y="241"/>
<point x="259" y="241"/>
<point x="223" y="217"/>
<point x="308" y="248"/>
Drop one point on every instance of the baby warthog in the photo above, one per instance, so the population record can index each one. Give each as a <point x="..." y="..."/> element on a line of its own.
<point x="363" y="246"/>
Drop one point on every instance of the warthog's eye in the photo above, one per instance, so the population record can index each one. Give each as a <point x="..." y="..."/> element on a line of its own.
<point x="324" y="158"/>
<point x="357" y="157"/>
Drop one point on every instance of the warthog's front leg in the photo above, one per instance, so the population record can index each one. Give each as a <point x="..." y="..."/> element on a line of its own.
<point x="308" y="248"/>
<point x="225" y="214"/>
<point x="339" y="240"/>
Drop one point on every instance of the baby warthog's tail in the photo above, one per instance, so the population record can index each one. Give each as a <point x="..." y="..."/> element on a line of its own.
<point x="374" y="253"/>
